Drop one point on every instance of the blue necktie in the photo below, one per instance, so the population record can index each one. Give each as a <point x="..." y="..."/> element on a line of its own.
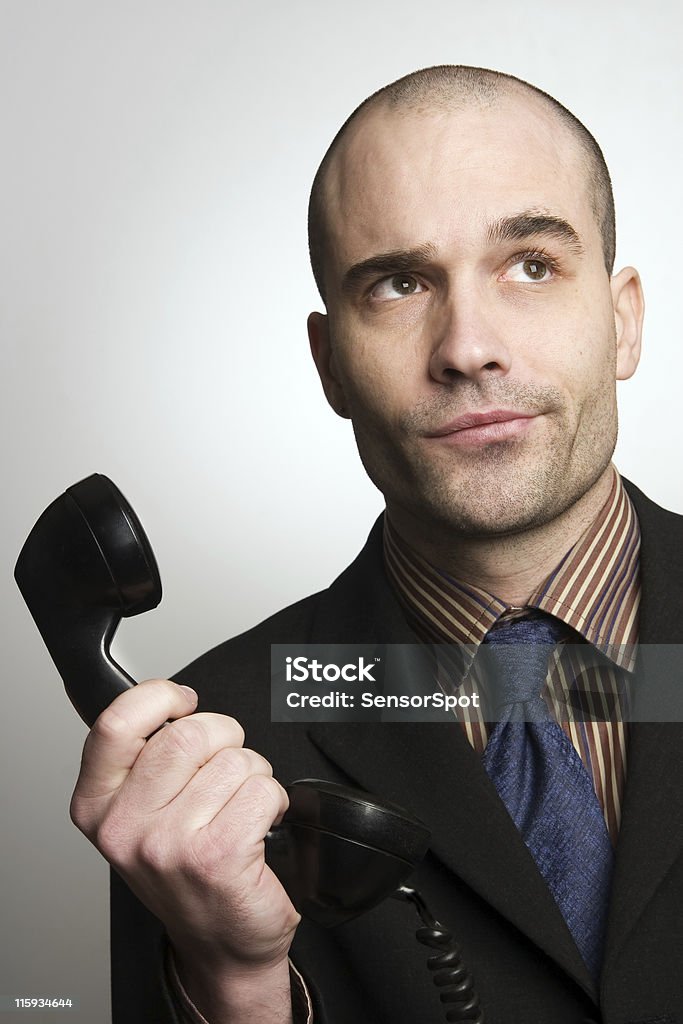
<point x="543" y="783"/>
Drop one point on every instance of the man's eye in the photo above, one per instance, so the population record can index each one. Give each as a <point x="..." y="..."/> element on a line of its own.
<point x="531" y="268"/>
<point x="396" y="287"/>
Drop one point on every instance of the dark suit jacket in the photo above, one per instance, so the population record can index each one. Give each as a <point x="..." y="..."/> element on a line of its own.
<point x="478" y="878"/>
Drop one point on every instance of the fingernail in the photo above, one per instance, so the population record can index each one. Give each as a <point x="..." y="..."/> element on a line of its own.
<point x="190" y="694"/>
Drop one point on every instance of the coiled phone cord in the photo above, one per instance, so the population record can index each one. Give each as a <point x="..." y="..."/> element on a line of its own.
<point x="450" y="973"/>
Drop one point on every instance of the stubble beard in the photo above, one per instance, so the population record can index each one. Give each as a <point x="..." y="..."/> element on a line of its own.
<point x="501" y="490"/>
<point x="498" y="490"/>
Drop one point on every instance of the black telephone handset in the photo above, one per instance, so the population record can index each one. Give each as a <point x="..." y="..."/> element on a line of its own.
<point x="337" y="852"/>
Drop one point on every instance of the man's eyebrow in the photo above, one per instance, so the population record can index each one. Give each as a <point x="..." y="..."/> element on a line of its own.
<point x="514" y="228"/>
<point x="531" y="223"/>
<point x="395" y="262"/>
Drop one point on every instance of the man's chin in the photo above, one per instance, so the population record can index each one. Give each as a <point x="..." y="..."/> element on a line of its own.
<point x="478" y="527"/>
<point x="491" y="512"/>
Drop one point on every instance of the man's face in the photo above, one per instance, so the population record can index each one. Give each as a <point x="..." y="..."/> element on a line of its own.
<point x="470" y="333"/>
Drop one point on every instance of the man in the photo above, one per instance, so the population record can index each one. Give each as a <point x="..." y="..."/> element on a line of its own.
<point x="462" y="237"/>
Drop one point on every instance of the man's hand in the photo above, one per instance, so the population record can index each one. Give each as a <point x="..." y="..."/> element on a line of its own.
<point x="182" y="817"/>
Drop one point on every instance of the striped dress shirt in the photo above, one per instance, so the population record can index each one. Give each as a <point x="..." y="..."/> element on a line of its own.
<point x="594" y="590"/>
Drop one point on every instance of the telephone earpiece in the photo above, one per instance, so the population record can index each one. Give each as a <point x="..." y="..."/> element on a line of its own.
<point x="86" y="564"/>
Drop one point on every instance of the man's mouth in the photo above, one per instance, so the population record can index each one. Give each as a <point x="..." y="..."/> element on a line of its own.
<point x="480" y="428"/>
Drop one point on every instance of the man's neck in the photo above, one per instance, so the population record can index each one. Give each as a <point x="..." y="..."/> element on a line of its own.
<point x="512" y="566"/>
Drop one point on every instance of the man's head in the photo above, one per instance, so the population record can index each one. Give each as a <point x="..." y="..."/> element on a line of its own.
<point x="462" y="235"/>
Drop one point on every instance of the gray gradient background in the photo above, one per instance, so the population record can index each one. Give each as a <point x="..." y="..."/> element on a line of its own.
<point x="156" y="162"/>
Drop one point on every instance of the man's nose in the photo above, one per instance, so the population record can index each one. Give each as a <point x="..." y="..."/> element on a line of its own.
<point x="467" y="340"/>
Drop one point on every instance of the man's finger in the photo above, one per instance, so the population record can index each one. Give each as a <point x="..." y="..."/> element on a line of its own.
<point x="121" y="731"/>
<point x="241" y="825"/>
<point x="171" y="759"/>
<point x="212" y="787"/>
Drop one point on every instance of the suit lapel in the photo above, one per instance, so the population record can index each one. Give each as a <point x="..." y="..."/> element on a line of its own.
<point x="431" y="770"/>
<point x="651" y="834"/>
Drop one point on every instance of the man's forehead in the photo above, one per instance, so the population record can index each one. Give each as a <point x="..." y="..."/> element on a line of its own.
<point x="469" y="131"/>
<point x="407" y="175"/>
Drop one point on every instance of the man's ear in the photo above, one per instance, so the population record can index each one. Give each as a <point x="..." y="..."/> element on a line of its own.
<point x="629" y="308"/>
<point x="323" y="356"/>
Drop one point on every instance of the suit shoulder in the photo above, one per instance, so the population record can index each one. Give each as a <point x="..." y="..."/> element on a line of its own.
<point x="234" y="677"/>
<point x="350" y="595"/>
<point x="650" y="513"/>
<point x="247" y="650"/>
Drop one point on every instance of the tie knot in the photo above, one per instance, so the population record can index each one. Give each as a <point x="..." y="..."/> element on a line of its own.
<point x="541" y="629"/>
<point x="517" y="663"/>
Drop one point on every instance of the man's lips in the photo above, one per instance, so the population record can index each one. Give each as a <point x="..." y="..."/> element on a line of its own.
<point x="484" y="427"/>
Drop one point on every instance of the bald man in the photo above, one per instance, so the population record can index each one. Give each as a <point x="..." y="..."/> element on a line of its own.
<point x="462" y="238"/>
